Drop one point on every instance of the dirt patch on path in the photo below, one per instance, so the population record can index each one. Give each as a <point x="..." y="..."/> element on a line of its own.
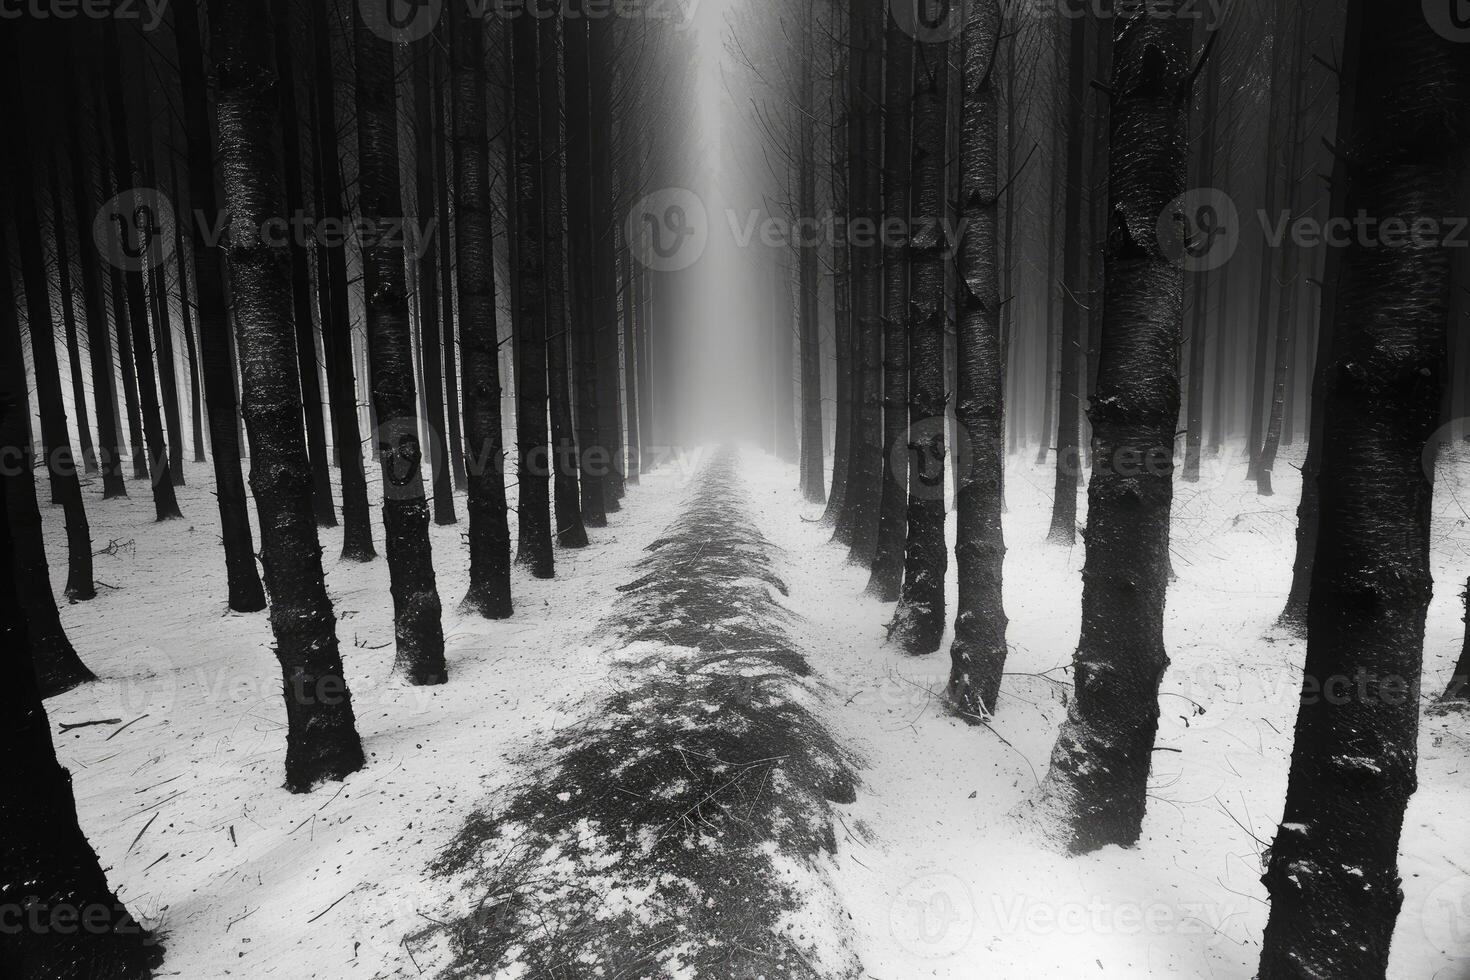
<point x="683" y="829"/>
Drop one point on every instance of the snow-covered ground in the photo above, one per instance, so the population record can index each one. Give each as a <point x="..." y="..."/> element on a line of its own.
<point x="182" y="796"/>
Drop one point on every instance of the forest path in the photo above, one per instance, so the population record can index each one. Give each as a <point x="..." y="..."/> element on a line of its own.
<point x="684" y="827"/>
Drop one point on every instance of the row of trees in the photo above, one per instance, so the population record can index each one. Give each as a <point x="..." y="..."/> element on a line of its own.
<point x="917" y="138"/>
<point x="488" y="305"/>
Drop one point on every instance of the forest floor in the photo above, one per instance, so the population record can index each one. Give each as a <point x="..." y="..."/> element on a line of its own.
<point x="614" y="667"/>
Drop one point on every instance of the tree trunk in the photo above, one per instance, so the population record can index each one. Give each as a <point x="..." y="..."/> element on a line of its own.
<point x="631" y="395"/>
<point x="605" y="258"/>
<point x="865" y="183"/>
<point x="886" y="582"/>
<point x="1202" y="283"/>
<point x="1256" y="436"/>
<point x="245" y="591"/>
<point x="979" y="652"/>
<point x="416" y="610"/>
<point x="1294" y="616"/>
<point x="191" y="351"/>
<point x="66" y="484"/>
<point x="813" y="443"/>
<point x="311" y="386"/>
<point x="489" y="532"/>
<point x="47" y="866"/>
<point x="58" y="668"/>
<point x="646" y="419"/>
<point x="1332" y="870"/>
<point x="446" y="277"/>
<point x="1096" y="788"/>
<point x="919" y="623"/>
<point x="321" y="738"/>
<point x="1291" y="258"/>
<point x="432" y="354"/>
<point x="69" y="314"/>
<point x="165" y="504"/>
<point x="835" y="514"/>
<point x="99" y="341"/>
<point x="570" y="533"/>
<point x="163" y="332"/>
<point x="580" y="241"/>
<point x="333" y="294"/>
<point x="1074" y="297"/>
<point x="533" y="471"/>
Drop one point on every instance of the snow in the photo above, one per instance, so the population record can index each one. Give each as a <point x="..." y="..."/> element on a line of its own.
<point x="186" y="810"/>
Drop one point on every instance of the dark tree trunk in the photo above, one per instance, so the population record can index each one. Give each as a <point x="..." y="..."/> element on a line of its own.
<point x="920" y="621"/>
<point x="58" y="669"/>
<point x="1074" y="298"/>
<point x="865" y="184"/>
<point x="432" y="352"/>
<point x="580" y="242"/>
<point x="416" y="611"/>
<point x="321" y="737"/>
<point x="835" y="514"/>
<point x="886" y="582"/>
<point x="648" y="434"/>
<point x="165" y="504"/>
<point x="66" y="484"/>
<point x="1256" y="434"/>
<point x="1332" y="871"/>
<point x="446" y="277"/>
<point x="47" y="864"/>
<point x="1459" y="686"/>
<point x="186" y="315"/>
<point x="333" y="295"/>
<point x="311" y="385"/>
<point x="163" y="332"/>
<point x="129" y="371"/>
<point x="570" y="533"/>
<point x="1291" y="258"/>
<point x="99" y="341"/>
<point x="1096" y="788"/>
<point x="979" y="652"/>
<point x="1202" y="283"/>
<point x="813" y="443"/>
<point x="1294" y="616"/>
<point x="69" y="315"/>
<point x="533" y="471"/>
<point x="489" y="532"/>
<point x="630" y="365"/>
<point x="245" y="591"/>
<point x="605" y="258"/>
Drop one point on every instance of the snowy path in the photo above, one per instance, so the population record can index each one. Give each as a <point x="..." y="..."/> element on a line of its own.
<point x="683" y="828"/>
